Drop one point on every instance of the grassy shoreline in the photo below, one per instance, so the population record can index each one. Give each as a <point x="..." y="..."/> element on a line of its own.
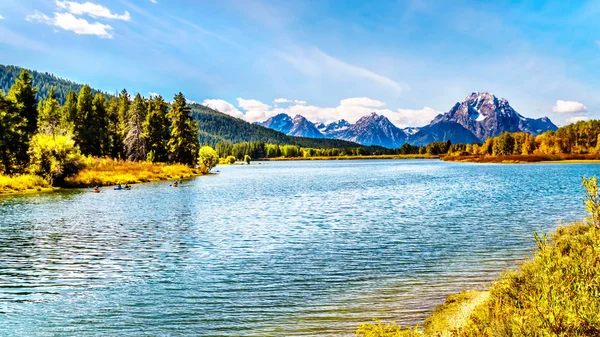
<point x="26" y="183"/>
<point x="553" y="293"/>
<point x="100" y="172"/>
<point x="108" y="172"/>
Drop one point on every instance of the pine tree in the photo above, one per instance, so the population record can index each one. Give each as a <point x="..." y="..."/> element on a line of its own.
<point x="98" y="124"/>
<point x="124" y="105"/>
<point x="23" y="94"/>
<point x="156" y="129"/>
<point x="69" y="113"/>
<point x="49" y="116"/>
<point x="115" y="139"/>
<point x="135" y="146"/>
<point x="12" y="136"/>
<point x="84" y="136"/>
<point x="183" y="144"/>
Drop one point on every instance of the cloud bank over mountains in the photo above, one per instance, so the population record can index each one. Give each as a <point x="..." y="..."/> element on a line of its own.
<point x="350" y="109"/>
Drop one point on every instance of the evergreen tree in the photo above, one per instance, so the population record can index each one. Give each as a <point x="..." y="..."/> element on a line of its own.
<point x="69" y="113"/>
<point x="124" y="106"/>
<point x="12" y="136"/>
<point x="135" y="145"/>
<point x="183" y="144"/>
<point x="115" y="138"/>
<point x="23" y="94"/>
<point x="84" y="136"/>
<point x="49" y="116"/>
<point x="156" y="129"/>
<point x="98" y="125"/>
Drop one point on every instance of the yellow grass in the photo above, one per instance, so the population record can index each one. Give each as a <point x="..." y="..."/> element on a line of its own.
<point x="22" y="183"/>
<point x="105" y="171"/>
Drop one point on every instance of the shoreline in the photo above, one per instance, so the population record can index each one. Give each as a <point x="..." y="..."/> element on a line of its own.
<point x="524" y="159"/>
<point x="400" y="156"/>
<point x="518" y="295"/>
<point x="101" y="172"/>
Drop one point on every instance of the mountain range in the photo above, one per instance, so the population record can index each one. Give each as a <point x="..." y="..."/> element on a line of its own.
<point x="481" y="115"/>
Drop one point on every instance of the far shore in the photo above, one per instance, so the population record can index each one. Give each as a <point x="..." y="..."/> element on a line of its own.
<point x="398" y="156"/>
<point x="526" y="159"/>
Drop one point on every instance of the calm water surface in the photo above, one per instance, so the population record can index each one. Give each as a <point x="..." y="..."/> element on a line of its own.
<point x="279" y="249"/>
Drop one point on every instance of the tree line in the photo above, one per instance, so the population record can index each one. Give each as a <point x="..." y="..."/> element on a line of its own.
<point x="98" y="125"/>
<point x="582" y="137"/>
<point x="258" y="150"/>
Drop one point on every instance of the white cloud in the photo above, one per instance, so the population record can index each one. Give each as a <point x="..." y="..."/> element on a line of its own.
<point x="153" y="94"/>
<point x="68" y="22"/>
<point x="576" y="119"/>
<point x="1" y="17"/>
<point x="223" y="106"/>
<point x="154" y="1"/>
<point x="285" y="100"/>
<point x="361" y="101"/>
<point x="255" y="110"/>
<point x="568" y="107"/>
<point x="350" y="109"/>
<point x="91" y="9"/>
<point x="409" y="117"/>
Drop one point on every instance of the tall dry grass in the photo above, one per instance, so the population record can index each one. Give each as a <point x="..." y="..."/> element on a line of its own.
<point x="22" y="183"/>
<point x="106" y="171"/>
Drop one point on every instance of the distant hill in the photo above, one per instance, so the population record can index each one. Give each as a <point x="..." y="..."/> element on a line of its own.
<point x="43" y="81"/>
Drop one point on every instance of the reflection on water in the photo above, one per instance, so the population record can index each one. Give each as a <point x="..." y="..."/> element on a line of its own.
<point x="284" y="248"/>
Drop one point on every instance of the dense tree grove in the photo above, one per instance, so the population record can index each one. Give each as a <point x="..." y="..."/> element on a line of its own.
<point x="40" y="137"/>
<point x="578" y="138"/>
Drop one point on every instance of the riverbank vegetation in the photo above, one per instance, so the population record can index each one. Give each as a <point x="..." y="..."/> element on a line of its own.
<point x="578" y="141"/>
<point x="95" y="139"/>
<point x="556" y="293"/>
<point x="260" y="150"/>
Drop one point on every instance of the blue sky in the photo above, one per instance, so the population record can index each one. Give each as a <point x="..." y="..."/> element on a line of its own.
<point x="408" y="60"/>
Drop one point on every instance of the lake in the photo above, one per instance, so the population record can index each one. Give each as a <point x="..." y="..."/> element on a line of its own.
<point x="279" y="249"/>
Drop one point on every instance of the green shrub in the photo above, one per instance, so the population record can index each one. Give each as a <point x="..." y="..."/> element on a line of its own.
<point x="207" y="159"/>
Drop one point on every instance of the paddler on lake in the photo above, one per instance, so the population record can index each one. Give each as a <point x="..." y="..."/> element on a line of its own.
<point x="96" y="189"/>
<point x="175" y="184"/>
